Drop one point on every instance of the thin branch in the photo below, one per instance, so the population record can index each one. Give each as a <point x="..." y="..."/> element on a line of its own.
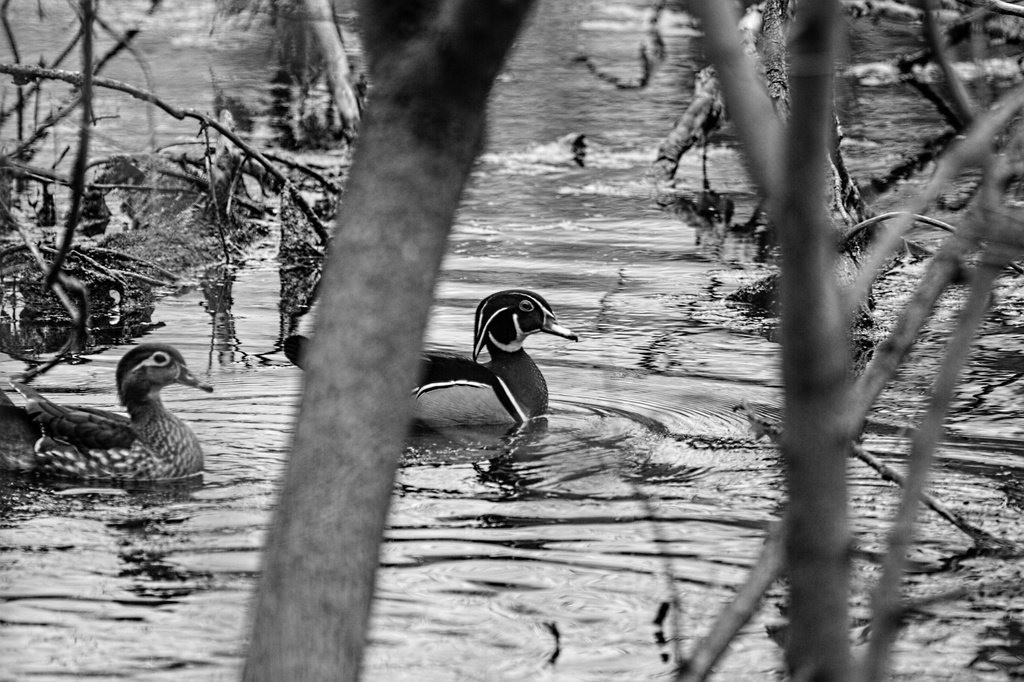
<point x="1001" y="7"/>
<point x="961" y="99"/>
<point x="9" y="33"/>
<point x="327" y="183"/>
<point x="78" y="174"/>
<point x="35" y="86"/>
<point x="118" y="254"/>
<point x="980" y="536"/>
<point x="651" y="54"/>
<point x="79" y="317"/>
<point x="75" y="78"/>
<point x="747" y="100"/>
<point x="124" y="41"/>
<point x="971" y="150"/>
<point x="738" y="611"/>
<point x="886" y="596"/>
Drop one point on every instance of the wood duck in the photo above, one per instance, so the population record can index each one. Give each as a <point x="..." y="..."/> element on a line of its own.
<point x="455" y="390"/>
<point x="88" y="443"/>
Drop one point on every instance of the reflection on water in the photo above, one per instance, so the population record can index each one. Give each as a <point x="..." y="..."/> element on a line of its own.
<point x="547" y="552"/>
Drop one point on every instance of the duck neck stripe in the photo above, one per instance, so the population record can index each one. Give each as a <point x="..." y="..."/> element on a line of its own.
<point x="510" y="402"/>
<point x="483" y="333"/>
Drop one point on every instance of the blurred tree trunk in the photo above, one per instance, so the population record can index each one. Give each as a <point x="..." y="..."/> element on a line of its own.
<point x="432" y="66"/>
<point x="790" y="163"/>
<point x="816" y="364"/>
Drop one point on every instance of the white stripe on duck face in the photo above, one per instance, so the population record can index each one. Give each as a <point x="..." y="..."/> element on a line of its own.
<point x="157" y="359"/>
<point x="517" y="342"/>
<point x="484" y="333"/>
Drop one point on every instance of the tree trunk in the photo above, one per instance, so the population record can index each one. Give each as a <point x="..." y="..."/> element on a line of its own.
<point x="816" y="365"/>
<point x="432" y="66"/>
<point x="815" y="355"/>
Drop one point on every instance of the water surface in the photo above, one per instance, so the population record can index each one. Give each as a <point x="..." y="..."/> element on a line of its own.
<point x="541" y="554"/>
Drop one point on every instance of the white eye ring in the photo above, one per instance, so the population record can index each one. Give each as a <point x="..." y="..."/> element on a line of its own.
<point x="526" y="306"/>
<point x="161" y="359"/>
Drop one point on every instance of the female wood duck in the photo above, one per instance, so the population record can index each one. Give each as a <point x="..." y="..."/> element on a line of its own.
<point x="510" y="389"/>
<point x="88" y="443"/>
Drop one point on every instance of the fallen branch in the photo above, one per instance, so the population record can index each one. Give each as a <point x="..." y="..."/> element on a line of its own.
<point x="119" y="254"/>
<point x="75" y="78"/>
<point x="700" y="119"/>
<point x="970" y="150"/>
<point x="885" y="598"/>
<point x="979" y="536"/>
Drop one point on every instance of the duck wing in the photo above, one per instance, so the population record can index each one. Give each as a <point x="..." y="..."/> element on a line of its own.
<point x="18" y="437"/>
<point x="83" y="428"/>
<point x="455" y="390"/>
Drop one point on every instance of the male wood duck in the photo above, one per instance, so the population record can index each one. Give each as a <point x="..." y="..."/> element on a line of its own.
<point x="455" y="390"/>
<point x="88" y="443"/>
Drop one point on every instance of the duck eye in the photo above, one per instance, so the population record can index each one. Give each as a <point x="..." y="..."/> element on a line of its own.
<point x="161" y="359"/>
<point x="526" y="306"/>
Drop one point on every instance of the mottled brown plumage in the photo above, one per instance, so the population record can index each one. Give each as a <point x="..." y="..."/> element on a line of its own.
<point x="88" y="443"/>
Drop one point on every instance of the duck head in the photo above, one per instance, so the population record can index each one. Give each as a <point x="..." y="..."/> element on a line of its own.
<point x="149" y="367"/>
<point x="505" y="319"/>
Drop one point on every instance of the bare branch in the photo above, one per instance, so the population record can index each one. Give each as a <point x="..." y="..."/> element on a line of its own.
<point x="75" y="78"/>
<point x="738" y="612"/>
<point x="747" y="101"/>
<point x="971" y="150"/>
<point x="980" y="536"/>
<point x="886" y="596"/>
<point x="961" y="99"/>
<point x="82" y="157"/>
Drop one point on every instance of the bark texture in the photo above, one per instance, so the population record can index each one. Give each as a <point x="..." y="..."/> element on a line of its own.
<point x="432" y="65"/>
<point x="815" y="355"/>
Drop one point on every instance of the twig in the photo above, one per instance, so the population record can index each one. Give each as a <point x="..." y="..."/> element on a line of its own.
<point x="738" y="612"/>
<point x="961" y="99"/>
<point x="651" y="53"/>
<point x="927" y="220"/>
<point x="75" y="78"/>
<point x="886" y="595"/>
<point x="119" y="254"/>
<point x="89" y="261"/>
<point x="124" y="41"/>
<point x="1007" y="8"/>
<point x="79" y="318"/>
<point x="153" y="281"/>
<point x="1008" y="585"/>
<point x="9" y="33"/>
<point x="980" y="536"/>
<point x="669" y="574"/>
<point x="327" y="183"/>
<point x="78" y="174"/>
<point x="971" y="150"/>
<point x="218" y="215"/>
<point x="882" y="217"/>
<point x="889" y="355"/>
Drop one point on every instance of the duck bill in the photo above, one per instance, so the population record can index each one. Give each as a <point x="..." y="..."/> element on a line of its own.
<point x="188" y="379"/>
<point x="551" y="326"/>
